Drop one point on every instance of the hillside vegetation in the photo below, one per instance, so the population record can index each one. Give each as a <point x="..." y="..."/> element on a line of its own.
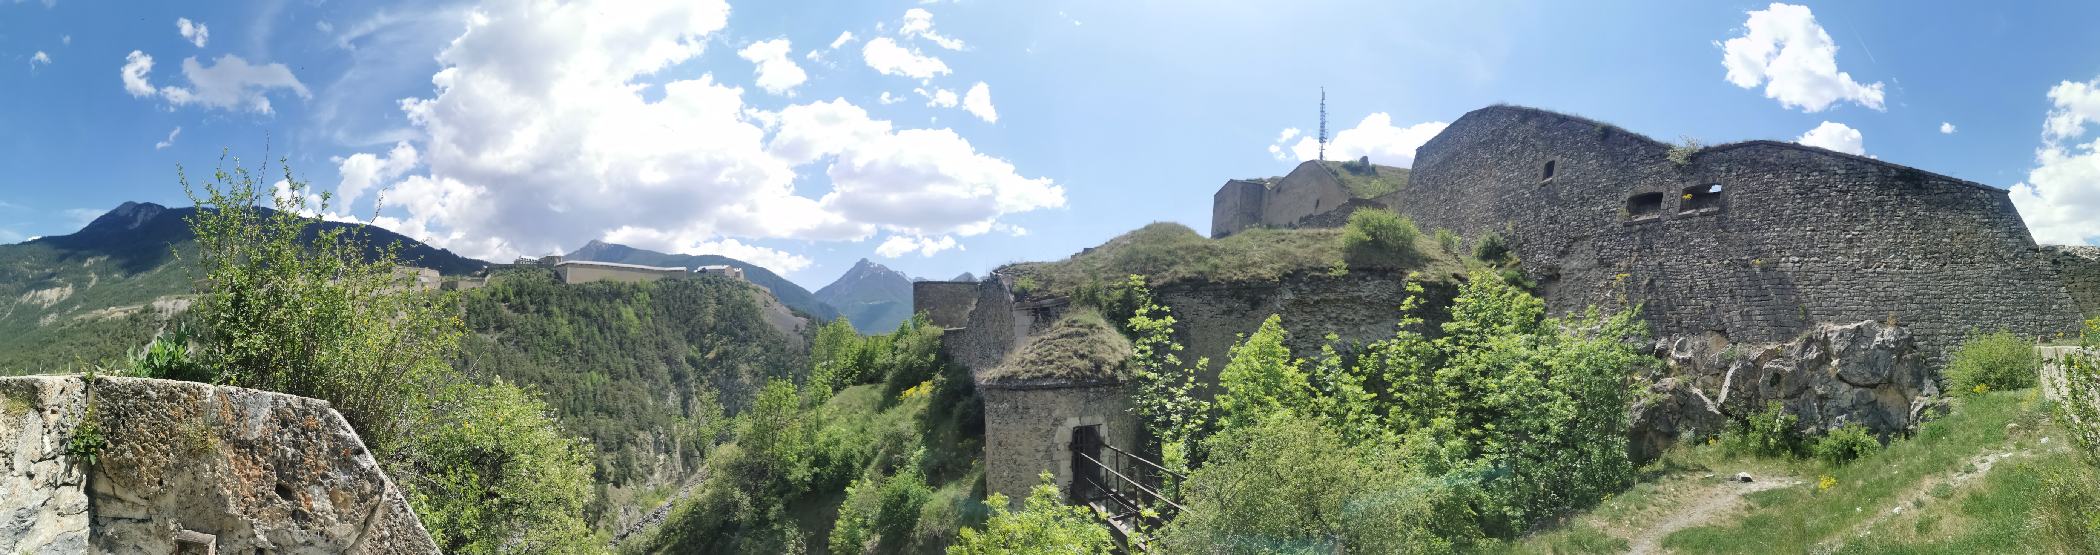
<point x="644" y="371"/>
<point x="1168" y="253"/>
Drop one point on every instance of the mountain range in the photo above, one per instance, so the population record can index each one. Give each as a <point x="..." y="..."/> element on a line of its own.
<point x="871" y="296"/>
<point x="789" y="294"/>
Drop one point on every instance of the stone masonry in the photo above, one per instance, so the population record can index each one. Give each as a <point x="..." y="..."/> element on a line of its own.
<point x="1757" y="241"/>
<point x="2079" y="268"/>
<point x="191" y="466"/>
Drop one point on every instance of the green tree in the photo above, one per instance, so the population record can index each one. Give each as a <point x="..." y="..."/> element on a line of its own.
<point x="1262" y="378"/>
<point x="1044" y="526"/>
<point x="1165" y="392"/>
<point x="492" y="472"/>
<point x="1288" y="484"/>
<point x="316" y="312"/>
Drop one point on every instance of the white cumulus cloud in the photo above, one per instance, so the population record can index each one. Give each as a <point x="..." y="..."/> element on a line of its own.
<point x="918" y="23"/>
<point x="194" y="32"/>
<point x="885" y="56"/>
<point x="1835" y="136"/>
<point x="170" y="141"/>
<point x="539" y="136"/>
<point x="1375" y="136"/>
<point x="136" y="66"/>
<point x="777" y="73"/>
<point x="844" y="37"/>
<point x="900" y="245"/>
<point x="39" y="58"/>
<point x="229" y="83"/>
<point x="939" y="98"/>
<point x="978" y="102"/>
<point x="1946" y="128"/>
<point x="1784" y="48"/>
<point x="2061" y="195"/>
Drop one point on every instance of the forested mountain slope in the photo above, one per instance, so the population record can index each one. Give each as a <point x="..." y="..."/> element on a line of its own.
<point x="643" y="371"/>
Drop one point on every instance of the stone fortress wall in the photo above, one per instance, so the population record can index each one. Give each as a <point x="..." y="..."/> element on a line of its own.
<point x="2079" y="268"/>
<point x="1757" y="241"/>
<point x="191" y="467"/>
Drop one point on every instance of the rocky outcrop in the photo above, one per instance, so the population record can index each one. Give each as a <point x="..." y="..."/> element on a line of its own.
<point x="1868" y="373"/>
<point x="187" y="464"/>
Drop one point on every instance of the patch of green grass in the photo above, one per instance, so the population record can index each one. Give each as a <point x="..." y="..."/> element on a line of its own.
<point x="1368" y="182"/>
<point x="1166" y="253"/>
<point x="1796" y="519"/>
<point x="1995" y="514"/>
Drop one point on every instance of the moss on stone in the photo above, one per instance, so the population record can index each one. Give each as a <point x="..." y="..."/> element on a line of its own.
<point x="1080" y="349"/>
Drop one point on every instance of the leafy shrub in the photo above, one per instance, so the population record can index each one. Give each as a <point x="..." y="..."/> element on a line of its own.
<point x="1681" y="153"/>
<point x="84" y="446"/>
<point x="1846" y="444"/>
<point x="1043" y="525"/>
<point x="1379" y="238"/>
<point x="1492" y="249"/>
<point x="1449" y="241"/>
<point x="490" y="471"/>
<point x="2081" y="380"/>
<point x="1768" y="433"/>
<point x="1287" y="484"/>
<point x="1261" y="378"/>
<point x="168" y="358"/>
<point x="1995" y="361"/>
<point x="316" y="312"/>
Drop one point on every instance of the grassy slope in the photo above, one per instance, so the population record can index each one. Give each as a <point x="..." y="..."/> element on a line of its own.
<point x="1946" y="508"/>
<point x="77" y="329"/>
<point x="1167" y="253"/>
<point x="1369" y="184"/>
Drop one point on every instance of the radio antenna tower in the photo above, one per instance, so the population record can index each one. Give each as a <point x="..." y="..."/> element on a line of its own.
<point x="1323" y="124"/>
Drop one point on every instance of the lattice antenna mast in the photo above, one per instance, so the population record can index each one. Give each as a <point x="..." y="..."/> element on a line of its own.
<point x="1323" y="124"/>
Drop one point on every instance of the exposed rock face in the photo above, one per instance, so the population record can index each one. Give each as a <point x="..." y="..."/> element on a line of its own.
<point x="254" y="471"/>
<point x="1868" y="373"/>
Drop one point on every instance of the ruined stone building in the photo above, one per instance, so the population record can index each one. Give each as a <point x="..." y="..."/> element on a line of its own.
<point x="1754" y="241"/>
<point x="1065" y="383"/>
<point x="1833" y="283"/>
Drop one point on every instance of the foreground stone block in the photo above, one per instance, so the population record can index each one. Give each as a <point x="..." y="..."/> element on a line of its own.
<point x="191" y="467"/>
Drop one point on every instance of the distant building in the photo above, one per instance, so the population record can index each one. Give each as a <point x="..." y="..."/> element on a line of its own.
<point x="467" y="283"/>
<point x="420" y="279"/>
<point x="583" y="271"/>
<point x="727" y="271"/>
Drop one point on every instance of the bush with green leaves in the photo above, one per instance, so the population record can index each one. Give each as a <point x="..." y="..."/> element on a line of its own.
<point x="1449" y="241"/>
<point x="1492" y="249"/>
<point x="1530" y="409"/>
<point x="168" y="357"/>
<point x="1771" y="432"/>
<point x="490" y="471"/>
<point x="1379" y="238"/>
<point x="1846" y="444"/>
<point x="1043" y="525"/>
<point x="1289" y="484"/>
<point x="283" y="305"/>
<point x="2078" y="408"/>
<point x="1999" y="361"/>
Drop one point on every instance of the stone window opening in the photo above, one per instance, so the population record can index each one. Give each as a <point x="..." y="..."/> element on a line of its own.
<point x="1644" y="206"/>
<point x="1700" y="197"/>
<point x="1546" y="173"/>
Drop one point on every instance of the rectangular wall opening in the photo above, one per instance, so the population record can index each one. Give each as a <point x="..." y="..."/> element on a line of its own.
<point x="1644" y="206"/>
<point x="1701" y="197"/>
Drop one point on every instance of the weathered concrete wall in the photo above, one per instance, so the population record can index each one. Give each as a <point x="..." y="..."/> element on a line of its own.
<point x="946" y="303"/>
<point x="1236" y="206"/>
<point x="1029" y="431"/>
<point x="261" y="472"/>
<point x="1306" y="191"/>
<point x="2079" y="268"/>
<point x="1798" y="236"/>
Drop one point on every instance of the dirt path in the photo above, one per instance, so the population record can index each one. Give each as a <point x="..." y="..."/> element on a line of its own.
<point x="1709" y="505"/>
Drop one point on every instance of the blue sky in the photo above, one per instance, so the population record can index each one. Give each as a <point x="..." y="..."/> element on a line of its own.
<point x="504" y="128"/>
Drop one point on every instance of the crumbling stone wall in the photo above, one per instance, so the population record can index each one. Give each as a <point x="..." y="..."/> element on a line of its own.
<point x="1358" y="308"/>
<point x="1797" y="235"/>
<point x="1309" y="189"/>
<point x="1236" y="206"/>
<point x="1028" y="431"/>
<point x="946" y="303"/>
<point x="250" y="471"/>
<point x="2079" y="268"/>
